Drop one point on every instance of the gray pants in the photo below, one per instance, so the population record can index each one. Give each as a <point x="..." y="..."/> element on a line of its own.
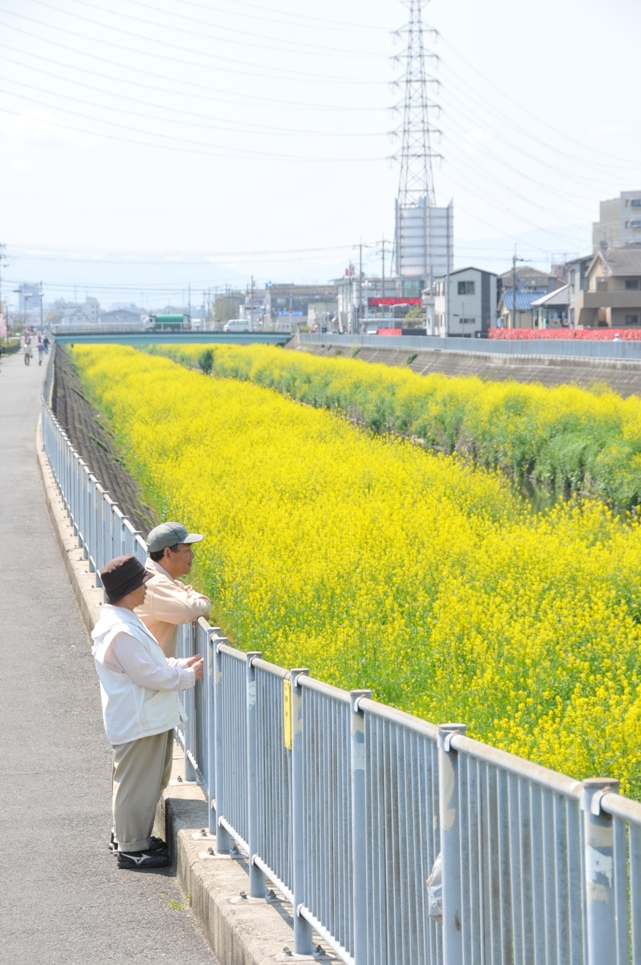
<point x="141" y="772"/>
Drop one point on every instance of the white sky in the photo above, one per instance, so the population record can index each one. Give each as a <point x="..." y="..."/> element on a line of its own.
<point x="148" y="144"/>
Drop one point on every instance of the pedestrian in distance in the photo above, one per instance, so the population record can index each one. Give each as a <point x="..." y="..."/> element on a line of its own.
<point x="168" y="602"/>
<point x="140" y="707"/>
<point x="27" y="351"/>
<point x="41" y="352"/>
<point x="45" y="342"/>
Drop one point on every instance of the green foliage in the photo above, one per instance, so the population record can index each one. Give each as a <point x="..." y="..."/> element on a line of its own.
<point x="206" y="361"/>
<point x="9" y="346"/>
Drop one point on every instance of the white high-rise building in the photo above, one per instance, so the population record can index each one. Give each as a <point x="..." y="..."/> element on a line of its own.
<point x="424" y="240"/>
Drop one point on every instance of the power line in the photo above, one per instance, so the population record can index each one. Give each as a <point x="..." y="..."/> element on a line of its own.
<point x="197" y="146"/>
<point x="296" y="45"/>
<point x="556" y="131"/>
<point x="590" y="182"/>
<point x="246" y="128"/>
<point x="224" y="253"/>
<point x="273" y="102"/>
<point x="286" y="74"/>
<point x="482" y="196"/>
<point x="318" y="21"/>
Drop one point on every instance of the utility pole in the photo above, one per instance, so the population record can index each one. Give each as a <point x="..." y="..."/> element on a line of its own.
<point x="514" y="285"/>
<point x="359" y="315"/>
<point x="448" y="272"/>
<point x="189" y="300"/>
<point x="251" y="305"/>
<point x="383" y="245"/>
<point x="41" y="315"/>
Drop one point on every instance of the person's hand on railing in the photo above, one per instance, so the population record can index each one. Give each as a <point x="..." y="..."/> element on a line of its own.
<point x="197" y="665"/>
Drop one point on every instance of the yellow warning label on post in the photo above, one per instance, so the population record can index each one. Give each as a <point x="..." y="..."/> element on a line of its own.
<point x="287" y="713"/>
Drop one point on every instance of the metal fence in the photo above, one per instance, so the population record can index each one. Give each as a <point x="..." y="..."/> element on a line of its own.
<point x="562" y="348"/>
<point x="344" y="804"/>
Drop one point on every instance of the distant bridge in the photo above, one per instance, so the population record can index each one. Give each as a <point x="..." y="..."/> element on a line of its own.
<point x="123" y="337"/>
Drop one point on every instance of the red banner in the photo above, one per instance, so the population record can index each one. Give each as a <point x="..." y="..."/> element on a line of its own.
<point x="373" y="302"/>
<point x="389" y="331"/>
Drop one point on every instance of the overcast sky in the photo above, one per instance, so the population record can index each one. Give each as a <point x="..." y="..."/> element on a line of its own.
<point x="149" y="144"/>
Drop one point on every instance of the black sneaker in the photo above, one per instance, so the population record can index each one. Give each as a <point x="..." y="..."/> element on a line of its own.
<point x="141" y="860"/>
<point x="156" y="844"/>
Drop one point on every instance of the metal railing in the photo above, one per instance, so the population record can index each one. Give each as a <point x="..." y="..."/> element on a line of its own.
<point x="562" y="348"/>
<point x="345" y="803"/>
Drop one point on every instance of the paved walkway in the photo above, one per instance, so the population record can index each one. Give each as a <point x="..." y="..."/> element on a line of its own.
<point x="62" y="899"/>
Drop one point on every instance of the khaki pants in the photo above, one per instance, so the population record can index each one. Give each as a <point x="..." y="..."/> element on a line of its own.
<point x="141" y="772"/>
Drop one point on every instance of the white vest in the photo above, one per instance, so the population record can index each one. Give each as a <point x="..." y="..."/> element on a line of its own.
<point x="130" y="711"/>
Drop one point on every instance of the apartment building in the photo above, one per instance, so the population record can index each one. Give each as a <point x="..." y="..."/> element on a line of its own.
<point x="619" y="222"/>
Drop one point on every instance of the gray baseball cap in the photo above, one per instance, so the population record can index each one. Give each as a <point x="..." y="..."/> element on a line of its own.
<point x="169" y="534"/>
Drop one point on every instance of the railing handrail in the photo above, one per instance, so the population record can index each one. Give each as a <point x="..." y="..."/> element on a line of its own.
<point x="431" y="788"/>
<point x="526" y="349"/>
<point x="520" y="767"/>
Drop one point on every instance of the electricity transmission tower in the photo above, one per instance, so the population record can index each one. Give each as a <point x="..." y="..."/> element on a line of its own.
<point x="416" y="132"/>
<point x="423" y="231"/>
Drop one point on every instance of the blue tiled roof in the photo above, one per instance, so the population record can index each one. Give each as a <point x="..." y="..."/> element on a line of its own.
<point x="524" y="299"/>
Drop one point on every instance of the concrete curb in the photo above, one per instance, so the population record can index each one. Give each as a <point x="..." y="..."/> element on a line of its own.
<point x="239" y="929"/>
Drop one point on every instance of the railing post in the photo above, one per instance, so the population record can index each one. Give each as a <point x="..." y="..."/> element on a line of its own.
<point x="83" y="501"/>
<point x="91" y="528"/>
<point x="190" y="771"/>
<point x="105" y="535"/>
<point x="450" y="828"/>
<point x="210" y="714"/>
<point x="223" y="838"/>
<point x="303" y="940"/>
<point x="598" y="843"/>
<point x="359" y="822"/>
<point x="256" y="876"/>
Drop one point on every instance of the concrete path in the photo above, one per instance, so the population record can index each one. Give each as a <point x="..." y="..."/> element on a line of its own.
<point x="62" y="898"/>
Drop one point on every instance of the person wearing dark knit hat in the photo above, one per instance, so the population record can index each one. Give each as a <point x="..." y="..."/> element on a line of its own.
<point x="140" y="707"/>
<point x="170" y="602"/>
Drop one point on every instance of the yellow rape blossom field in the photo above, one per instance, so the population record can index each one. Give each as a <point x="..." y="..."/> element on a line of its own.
<point x="565" y="438"/>
<point x="379" y="565"/>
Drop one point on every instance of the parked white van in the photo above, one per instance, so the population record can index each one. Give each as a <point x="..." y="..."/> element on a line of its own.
<point x="237" y="325"/>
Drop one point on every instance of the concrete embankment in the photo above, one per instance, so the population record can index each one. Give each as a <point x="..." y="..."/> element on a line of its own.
<point x="622" y="375"/>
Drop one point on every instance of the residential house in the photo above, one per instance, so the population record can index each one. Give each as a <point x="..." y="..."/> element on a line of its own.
<point x="577" y="279"/>
<point x="529" y="278"/>
<point x="467" y="307"/>
<point x="613" y="295"/>
<point x="520" y="315"/>
<point x="551" y="310"/>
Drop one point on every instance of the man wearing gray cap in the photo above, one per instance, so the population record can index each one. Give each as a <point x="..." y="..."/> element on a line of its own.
<point x="168" y="602"/>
